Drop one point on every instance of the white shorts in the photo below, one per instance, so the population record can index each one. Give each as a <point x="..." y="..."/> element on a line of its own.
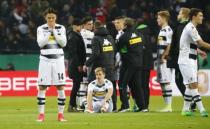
<point x="189" y="73"/>
<point x="97" y="105"/>
<point x="163" y="73"/>
<point x="51" y="72"/>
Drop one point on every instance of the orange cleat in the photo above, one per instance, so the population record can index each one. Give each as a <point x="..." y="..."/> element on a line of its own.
<point x="61" y="117"/>
<point x="40" y="118"/>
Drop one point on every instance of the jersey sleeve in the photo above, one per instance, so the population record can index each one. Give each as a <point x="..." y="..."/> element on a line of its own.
<point x="169" y="36"/>
<point x="42" y="38"/>
<point x="90" y="87"/>
<point x="194" y="34"/>
<point x="110" y="85"/>
<point x="60" y="36"/>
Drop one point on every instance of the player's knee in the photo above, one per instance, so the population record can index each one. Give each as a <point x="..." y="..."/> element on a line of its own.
<point x="60" y="87"/>
<point x="42" y="87"/>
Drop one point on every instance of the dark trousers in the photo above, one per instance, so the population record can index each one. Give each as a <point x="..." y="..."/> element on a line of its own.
<point x="145" y="87"/>
<point x="114" y="95"/>
<point x="179" y="81"/>
<point x="75" y="89"/>
<point x="130" y="76"/>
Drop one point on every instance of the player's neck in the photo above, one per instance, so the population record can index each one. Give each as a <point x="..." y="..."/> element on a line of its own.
<point x="164" y="25"/>
<point x="194" y="23"/>
<point x="100" y="82"/>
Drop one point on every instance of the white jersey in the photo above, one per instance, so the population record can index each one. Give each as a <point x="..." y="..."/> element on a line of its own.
<point x="164" y="39"/>
<point x="99" y="92"/>
<point x="188" y="45"/>
<point x="87" y="37"/>
<point x="51" y="41"/>
<point x="51" y="65"/>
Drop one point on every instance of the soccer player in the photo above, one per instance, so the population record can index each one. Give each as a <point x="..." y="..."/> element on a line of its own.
<point x="51" y="38"/>
<point x="99" y="93"/>
<point x="163" y="47"/>
<point x="189" y="42"/>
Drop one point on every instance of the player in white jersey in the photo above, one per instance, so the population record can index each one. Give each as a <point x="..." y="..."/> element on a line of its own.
<point x="99" y="93"/>
<point x="87" y="36"/>
<point x="189" y="41"/>
<point x="163" y="47"/>
<point x="51" y="38"/>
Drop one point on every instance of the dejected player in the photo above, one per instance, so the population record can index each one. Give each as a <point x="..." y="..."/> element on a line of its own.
<point x="99" y="93"/>
<point x="51" y="38"/>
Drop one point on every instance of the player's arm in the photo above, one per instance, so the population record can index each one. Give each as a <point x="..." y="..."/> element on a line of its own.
<point x="166" y="52"/>
<point x="168" y="40"/>
<point x="109" y="94"/>
<point x="90" y="97"/>
<point x="89" y="100"/>
<point x="203" y="44"/>
<point x="203" y="54"/>
<point x="42" y="38"/>
<point x="61" y="36"/>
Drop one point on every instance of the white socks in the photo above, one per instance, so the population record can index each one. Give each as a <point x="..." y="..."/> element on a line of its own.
<point x="167" y="93"/>
<point x="61" y="101"/>
<point x="41" y="101"/>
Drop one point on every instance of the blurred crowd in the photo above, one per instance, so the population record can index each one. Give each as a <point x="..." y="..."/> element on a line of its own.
<point x="19" y="18"/>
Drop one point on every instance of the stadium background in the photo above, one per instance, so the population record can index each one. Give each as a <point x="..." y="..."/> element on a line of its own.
<point x="19" y="19"/>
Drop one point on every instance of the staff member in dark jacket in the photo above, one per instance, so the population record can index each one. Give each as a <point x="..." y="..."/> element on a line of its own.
<point x="147" y="65"/>
<point x="102" y="52"/>
<point x="76" y="57"/>
<point x="130" y="46"/>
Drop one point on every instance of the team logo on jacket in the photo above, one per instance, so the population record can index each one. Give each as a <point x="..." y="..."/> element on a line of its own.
<point x="107" y="46"/>
<point x="135" y="39"/>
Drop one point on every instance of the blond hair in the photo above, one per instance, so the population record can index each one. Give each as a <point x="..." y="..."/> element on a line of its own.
<point x="185" y="12"/>
<point x="98" y="69"/>
<point x="164" y="14"/>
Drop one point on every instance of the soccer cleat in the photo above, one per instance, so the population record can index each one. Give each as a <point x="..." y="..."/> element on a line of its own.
<point x="144" y="110"/>
<point x="40" y="118"/>
<point x="61" y="117"/>
<point x="204" y="114"/>
<point x="88" y="111"/>
<point x="135" y="108"/>
<point x="72" y="109"/>
<point x="166" y="109"/>
<point x="124" y="110"/>
<point x="186" y="113"/>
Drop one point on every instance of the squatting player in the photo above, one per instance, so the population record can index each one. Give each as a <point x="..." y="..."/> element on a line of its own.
<point x="99" y="93"/>
<point x="163" y="47"/>
<point x="51" y="38"/>
<point x="188" y="50"/>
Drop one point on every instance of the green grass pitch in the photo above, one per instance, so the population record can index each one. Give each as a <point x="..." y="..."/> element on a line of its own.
<point x="21" y="113"/>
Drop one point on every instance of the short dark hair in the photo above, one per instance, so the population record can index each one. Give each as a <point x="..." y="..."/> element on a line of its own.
<point x="194" y="12"/>
<point x="77" y="22"/>
<point x="50" y="10"/>
<point x="87" y="19"/>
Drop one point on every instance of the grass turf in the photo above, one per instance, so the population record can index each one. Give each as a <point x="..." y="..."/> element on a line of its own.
<point x="21" y="113"/>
